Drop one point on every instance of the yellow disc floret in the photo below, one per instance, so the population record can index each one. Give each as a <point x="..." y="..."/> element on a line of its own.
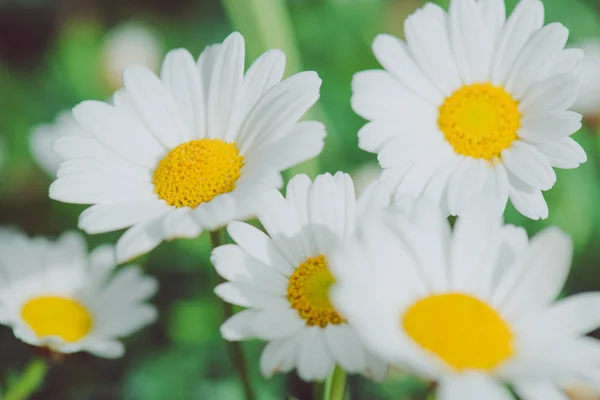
<point x="480" y="120"/>
<point x="308" y="292"/>
<point x="57" y="316"/>
<point x="460" y="329"/>
<point x="197" y="171"/>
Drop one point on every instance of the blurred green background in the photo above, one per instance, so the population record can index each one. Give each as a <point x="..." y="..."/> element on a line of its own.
<point x="54" y="54"/>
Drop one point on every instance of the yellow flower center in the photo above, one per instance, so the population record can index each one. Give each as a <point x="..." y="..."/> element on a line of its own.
<point x="460" y="329"/>
<point x="480" y="120"/>
<point x="57" y="316"/>
<point x="308" y="292"/>
<point x="197" y="171"/>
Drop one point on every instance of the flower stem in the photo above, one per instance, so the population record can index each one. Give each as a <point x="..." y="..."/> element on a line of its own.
<point x="334" y="388"/>
<point x="29" y="382"/>
<point x="217" y="238"/>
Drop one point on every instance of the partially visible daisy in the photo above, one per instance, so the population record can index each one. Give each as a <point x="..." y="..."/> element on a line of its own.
<point x="588" y="102"/>
<point x="129" y="43"/>
<point x="56" y="295"/>
<point x="473" y="104"/>
<point x="469" y="309"/>
<point x="282" y="277"/>
<point x="192" y="150"/>
<point x="42" y="137"/>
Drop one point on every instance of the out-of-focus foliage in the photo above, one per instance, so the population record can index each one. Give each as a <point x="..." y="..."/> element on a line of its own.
<point x="51" y="59"/>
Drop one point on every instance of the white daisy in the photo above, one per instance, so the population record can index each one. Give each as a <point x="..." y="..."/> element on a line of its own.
<point x="129" y="43"/>
<point x="589" y="102"/>
<point x="191" y="150"/>
<point x="469" y="309"/>
<point x="56" y="295"/>
<point x="473" y="104"/>
<point x="43" y="136"/>
<point x="282" y="277"/>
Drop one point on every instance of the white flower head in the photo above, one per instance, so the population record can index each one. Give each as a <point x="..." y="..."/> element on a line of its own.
<point x="470" y="309"/>
<point x="191" y="150"/>
<point x="42" y="138"/>
<point x="282" y="277"/>
<point x="473" y="103"/>
<point x="588" y="102"/>
<point x="56" y="295"/>
<point x="129" y="43"/>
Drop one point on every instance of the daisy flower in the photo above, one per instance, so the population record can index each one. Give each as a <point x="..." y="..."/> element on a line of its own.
<point x="282" y="277"/>
<point x="473" y="104"/>
<point x="43" y="136"/>
<point x="470" y="309"/>
<point x="589" y="102"/>
<point x="190" y="151"/>
<point x="56" y="295"/>
<point x="129" y="43"/>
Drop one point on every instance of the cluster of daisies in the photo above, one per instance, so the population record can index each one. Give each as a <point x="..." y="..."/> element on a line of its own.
<point x="469" y="111"/>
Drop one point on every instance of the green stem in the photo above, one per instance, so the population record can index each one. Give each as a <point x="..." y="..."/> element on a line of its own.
<point x="334" y="388"/>
<point x="218" y="238"/>
<point x="336" y="385"/>
<point x="29" y="382"/>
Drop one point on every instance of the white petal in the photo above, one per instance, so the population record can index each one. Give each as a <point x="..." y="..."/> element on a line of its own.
<point x="127" y="286"/>
<point x="182" y="80"/>
<point x="471" y="386"/>
<point x="377" y="95"/>
<point x="540" y="275"/>
<point x="103" y="260"/>
<point x="111" y="217"/>
<point x="539" y="391"/>
<point x="395" y="57"/>
<point x="277" y="324"/>
<point x="99" y="188"/>
<point x="571" y="317"/>
<point x="225" y="88"/>
<point x="155" y="106"/>
<point x="556" y="93"/>
<point x="569" y="62"/>
<point x="106" y="349"/>
<point x="181" y="223"/>
<point x="426" y="35"/>
<point x="278" y="110"/>
<point x="528" y="200"/>
<point x="240" y="326"/>
<point x="315" y="362"/>
<point x="258" y="245"/>
<point x="472" y="41"/>
<point x="246" y="296"/>
<point x="544" y="127"/>
<point x="233" y="264"/>
<point x="564" y="153"/>
<point x="262" y="75"/>
<point x="328" y="210"/>
<point x="73" y="147"/>
<point x="474" y="246"/>
<point x="304" y="141"/>
<point x="140" y="239"/>
<point x="120" y="132"/>
<point x="532" y="63"/>
<point x="279" y="356"/>
<point x="527" y="17"/>
<point x="529" y="165"/>
<point x="123" y="320"/>
<point x="346" y="348"/>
